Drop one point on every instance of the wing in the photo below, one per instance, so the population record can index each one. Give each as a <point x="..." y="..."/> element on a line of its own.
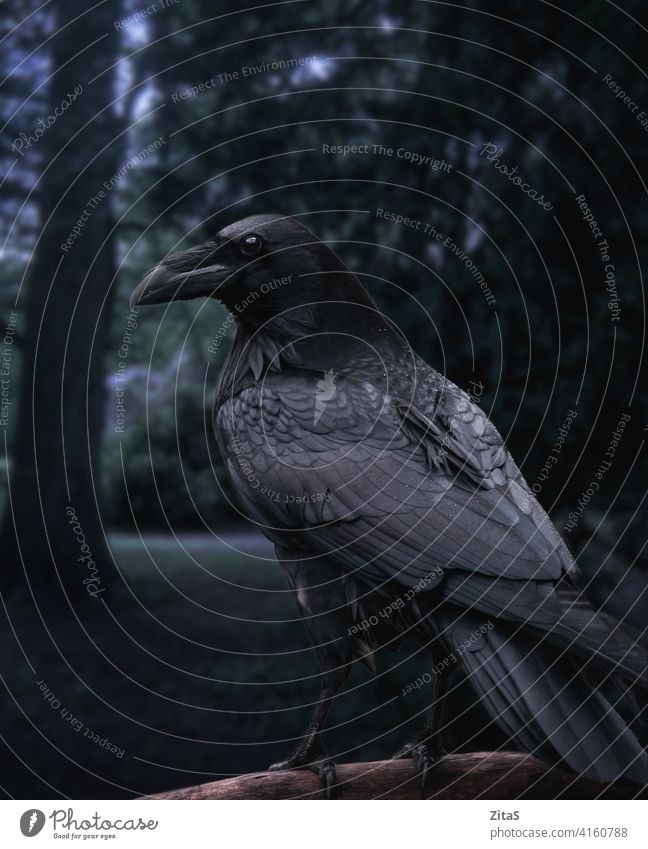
<point x="472" y="445"/>
<point x="381" y="487"/>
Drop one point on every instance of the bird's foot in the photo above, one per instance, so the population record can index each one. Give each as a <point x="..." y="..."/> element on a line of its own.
<point x="425" y="757"/>
<point x="315" y="758"/>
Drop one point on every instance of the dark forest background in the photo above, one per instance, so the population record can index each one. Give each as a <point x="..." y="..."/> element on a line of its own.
<point x="182" y="652"/>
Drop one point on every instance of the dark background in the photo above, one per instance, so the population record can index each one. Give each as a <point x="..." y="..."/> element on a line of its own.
<point x="188" y="662"/>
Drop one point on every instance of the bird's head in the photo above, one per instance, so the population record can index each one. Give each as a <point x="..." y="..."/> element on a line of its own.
<point x="258" y="267"/>
<point x="292" y="297"/>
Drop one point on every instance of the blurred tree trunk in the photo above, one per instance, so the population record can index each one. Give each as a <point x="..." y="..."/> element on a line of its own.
<point x="60" y="399"/>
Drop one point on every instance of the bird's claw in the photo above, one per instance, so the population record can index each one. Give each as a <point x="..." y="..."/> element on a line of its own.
<point x="425" y="758"/>
<point x="316" y="761"/>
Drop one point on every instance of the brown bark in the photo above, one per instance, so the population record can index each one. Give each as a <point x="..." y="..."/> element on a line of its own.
<point x="478" y="775"/>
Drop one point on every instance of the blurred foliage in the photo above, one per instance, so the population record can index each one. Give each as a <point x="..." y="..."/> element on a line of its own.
<point x="162" y="469"/>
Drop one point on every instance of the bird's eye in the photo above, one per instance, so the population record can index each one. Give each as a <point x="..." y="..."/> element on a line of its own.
<point x="251" y="245"/>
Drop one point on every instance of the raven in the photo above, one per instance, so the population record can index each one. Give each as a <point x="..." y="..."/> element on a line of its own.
<point x="396" y="510"/>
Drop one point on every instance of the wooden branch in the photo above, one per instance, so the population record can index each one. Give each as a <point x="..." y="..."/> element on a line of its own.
<point x="478" y="775"/>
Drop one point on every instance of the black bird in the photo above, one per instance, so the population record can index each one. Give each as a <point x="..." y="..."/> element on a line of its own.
<point x="396" y="509"/>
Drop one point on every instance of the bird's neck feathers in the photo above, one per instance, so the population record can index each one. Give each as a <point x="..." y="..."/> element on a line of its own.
<point x="326" y="323"/>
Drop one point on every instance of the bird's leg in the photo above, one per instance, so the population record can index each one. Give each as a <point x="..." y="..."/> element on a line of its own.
<point x="326" y="622"/>
<point x="310" y="753"/>
<point x="427" y="748"/>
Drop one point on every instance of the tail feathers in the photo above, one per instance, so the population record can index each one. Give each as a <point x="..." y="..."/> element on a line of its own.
<point x="613" y="645"/>
<point x="594" y="636"/>
<point x="545" y="704"/>
<point x="589" y="639"/>
<point x="590" y="636"/>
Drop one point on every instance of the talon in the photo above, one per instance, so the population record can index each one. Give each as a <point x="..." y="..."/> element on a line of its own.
<point x="328" y="777"/>
<point x="401" y="754"/>
<point x="424" y="757"/>
<point x="316" y="761"/>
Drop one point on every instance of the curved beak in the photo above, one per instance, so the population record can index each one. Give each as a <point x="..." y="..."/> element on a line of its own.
<point x="181" y="277"/>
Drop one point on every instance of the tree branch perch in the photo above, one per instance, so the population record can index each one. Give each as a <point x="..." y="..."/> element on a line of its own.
<point x="477" y="775"/>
